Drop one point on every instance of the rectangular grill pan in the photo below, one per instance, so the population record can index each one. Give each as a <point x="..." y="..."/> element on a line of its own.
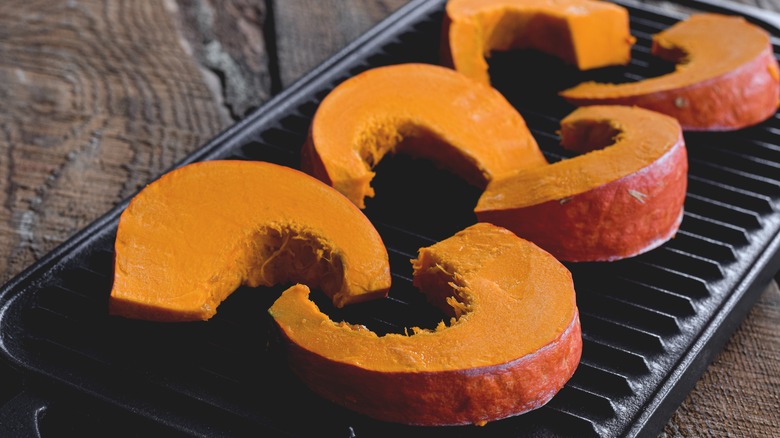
<point x="651" y="324"/>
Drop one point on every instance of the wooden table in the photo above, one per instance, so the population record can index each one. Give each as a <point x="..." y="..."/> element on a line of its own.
<point x="97" y="97"/>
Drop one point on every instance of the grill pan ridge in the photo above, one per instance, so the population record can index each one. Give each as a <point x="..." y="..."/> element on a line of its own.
<point x="651" y="324"/>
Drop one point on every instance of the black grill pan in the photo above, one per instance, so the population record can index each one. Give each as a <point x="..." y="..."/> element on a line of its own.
<point x="650" y="324"/>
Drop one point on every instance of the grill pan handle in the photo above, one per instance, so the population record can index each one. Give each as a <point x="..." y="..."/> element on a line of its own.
<point x="22" y="415"/>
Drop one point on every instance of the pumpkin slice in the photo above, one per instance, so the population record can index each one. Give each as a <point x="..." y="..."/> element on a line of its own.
<point x="726" y="76"/>
<point x="189" y="239"/>
<point x="606" y="204"/>
<point x="513" y="342"/>
<point x="585" y="33"/>
<point x="423" y="110"/>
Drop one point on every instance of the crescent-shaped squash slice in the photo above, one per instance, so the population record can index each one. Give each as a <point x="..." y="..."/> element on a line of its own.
<point x="189" y="239"/>
<point x="585" y="33"/>
<point x="422" y="110"/>
<point x="726" y="76"/>
<point x="606" y="204"/>
<point x="513" y="344"/>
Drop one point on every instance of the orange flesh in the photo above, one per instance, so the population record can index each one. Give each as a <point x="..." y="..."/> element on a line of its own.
<point x="705" y="47"/>
<point x="511" y="297"/>
<point x="588" y="34"/>
<point x="188" y="240"/>
<point x="422" y="110"/>
<point x="638" y="138"/>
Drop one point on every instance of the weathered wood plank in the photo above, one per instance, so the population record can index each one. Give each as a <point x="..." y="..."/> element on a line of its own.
<point x="308" y="32"/>
<point x="739" y="394"/>
<point x="97" y="98"/>
<point x="258" y="47"/>
<point x="228" y="38"/>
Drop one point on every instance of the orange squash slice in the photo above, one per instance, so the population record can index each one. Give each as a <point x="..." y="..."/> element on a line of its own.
<point x="726" y="77"/>
<point x="585" y="33"/>
<point x="606" y="204"/>
<point x="189" y="239"/>
<point x="418" y="109"/>
<point x="513" y="342"/>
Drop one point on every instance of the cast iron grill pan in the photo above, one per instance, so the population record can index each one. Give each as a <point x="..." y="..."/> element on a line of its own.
<point x="650" y="324"/>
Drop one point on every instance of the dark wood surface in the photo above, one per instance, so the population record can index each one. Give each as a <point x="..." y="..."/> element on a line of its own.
<point x="99" y="96"/>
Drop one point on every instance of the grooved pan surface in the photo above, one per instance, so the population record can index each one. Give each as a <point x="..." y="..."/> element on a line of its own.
<point x="650" y="324"/>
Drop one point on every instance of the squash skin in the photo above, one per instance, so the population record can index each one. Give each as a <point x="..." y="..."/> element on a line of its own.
<point x="430" y="398"/>
<point x="565" y="29"/>
<point x="189" y="239"/>
<point x="433" y="382"/>
<point x="744" y="96"/>
<point x="607" y="221"/>
<point x="422" y="110"/>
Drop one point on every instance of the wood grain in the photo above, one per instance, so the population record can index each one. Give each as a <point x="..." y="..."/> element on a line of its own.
<point x="229" y="39"/>
<point x="739" y="394"/>
<point x="258" y="47"/>
<point x="97" y="98"/>
<point x="310" y="31"/>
